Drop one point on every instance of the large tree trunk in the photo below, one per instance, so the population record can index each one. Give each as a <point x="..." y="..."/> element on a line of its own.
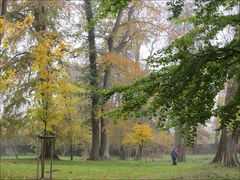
<point x="180" y="144"/>
<point x="94" y="155"/>
<point x="227" y="149"/>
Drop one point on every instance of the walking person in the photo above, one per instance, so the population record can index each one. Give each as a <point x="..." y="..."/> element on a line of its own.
<point x="174" y="155"/>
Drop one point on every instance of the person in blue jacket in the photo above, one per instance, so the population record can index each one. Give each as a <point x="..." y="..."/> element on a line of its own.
<point x="174" y="155"/>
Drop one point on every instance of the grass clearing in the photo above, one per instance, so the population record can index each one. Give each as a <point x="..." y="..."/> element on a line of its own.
<point x="196" y="167"/>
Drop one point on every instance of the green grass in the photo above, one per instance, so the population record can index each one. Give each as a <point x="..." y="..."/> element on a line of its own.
<point x="196" y="167"/>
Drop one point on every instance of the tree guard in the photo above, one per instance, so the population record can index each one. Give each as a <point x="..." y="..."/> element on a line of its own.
<point x="41" y="157"/>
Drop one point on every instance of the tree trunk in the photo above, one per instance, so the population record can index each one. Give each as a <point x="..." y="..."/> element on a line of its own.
<point x="4" y="7"/>
<point x="94" y="155"/>
<point x="137" y="153"/>
<point x="216" y="140"/>
<point x="3" y="13"/>
<point x="71" y="150"/>
<point x="227" y="149"/>
<point x="104" y="147"/>
<point x="180" y="144"/>
<point x="47" y="144"/>
<point x="141" y="152"/>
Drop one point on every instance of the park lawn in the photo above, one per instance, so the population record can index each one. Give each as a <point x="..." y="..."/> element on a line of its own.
<point x="197" y="167"/>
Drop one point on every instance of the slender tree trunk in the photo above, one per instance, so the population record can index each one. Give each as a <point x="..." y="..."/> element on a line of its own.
<point x="104" y="145"/>
<point x="180" y="144"/>
<point x="71" y="150"/>
<point x="141" y="152"/>
<point x="94" y="155"/>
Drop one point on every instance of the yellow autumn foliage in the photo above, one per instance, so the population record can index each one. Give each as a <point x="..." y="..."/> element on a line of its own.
<point x="47" y="55"/>
<point x="12" y="30"/>
<point x="6" y="79"/>
<point x="124" y="69"/>
<point x="9" y="32"/>
<point x="141" y="133"/>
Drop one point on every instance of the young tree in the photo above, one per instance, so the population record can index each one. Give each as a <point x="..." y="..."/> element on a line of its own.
<point x="72" y="130"/>
<point x="140" y="135"/>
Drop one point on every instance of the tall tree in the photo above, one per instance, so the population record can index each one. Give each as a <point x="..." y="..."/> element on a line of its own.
<point x="128" y="33"/>
<point x="112" y="48"/>
<point x="93" y="81"/>
<point x="10" y="33"/>
<point x="192" y="70"/>
<point x="34" y="63"/>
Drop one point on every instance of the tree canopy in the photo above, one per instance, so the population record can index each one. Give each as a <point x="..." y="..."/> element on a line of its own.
<point x="190" y="72"/>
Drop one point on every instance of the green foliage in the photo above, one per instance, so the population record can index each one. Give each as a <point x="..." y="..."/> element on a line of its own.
<point x="191" y="71"/>
<point x="111" y="6"/>
<point x="106" y="7"/>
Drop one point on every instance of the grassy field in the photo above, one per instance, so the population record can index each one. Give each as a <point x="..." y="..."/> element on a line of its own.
<point x="196" y="167"/>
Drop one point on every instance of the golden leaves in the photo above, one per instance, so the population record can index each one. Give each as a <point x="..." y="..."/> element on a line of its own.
<point x="9" y="32"/>
<point x="141" y="133"/>
<point x="48" y="54"/>
<point x="6" y="79"/>
<point x="13" y="30"/>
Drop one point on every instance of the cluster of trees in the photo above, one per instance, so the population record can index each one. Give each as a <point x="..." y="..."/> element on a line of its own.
<point x="191" y="72"/>
<point x="51" y="71"/>
<point x="69" y="67"/>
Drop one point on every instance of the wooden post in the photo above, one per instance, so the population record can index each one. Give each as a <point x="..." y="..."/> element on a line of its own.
<point x="43" y="139"/>
<point x="42" y="158"/>
<point x="38" y="156"/>
<point x="51" y="159"/>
